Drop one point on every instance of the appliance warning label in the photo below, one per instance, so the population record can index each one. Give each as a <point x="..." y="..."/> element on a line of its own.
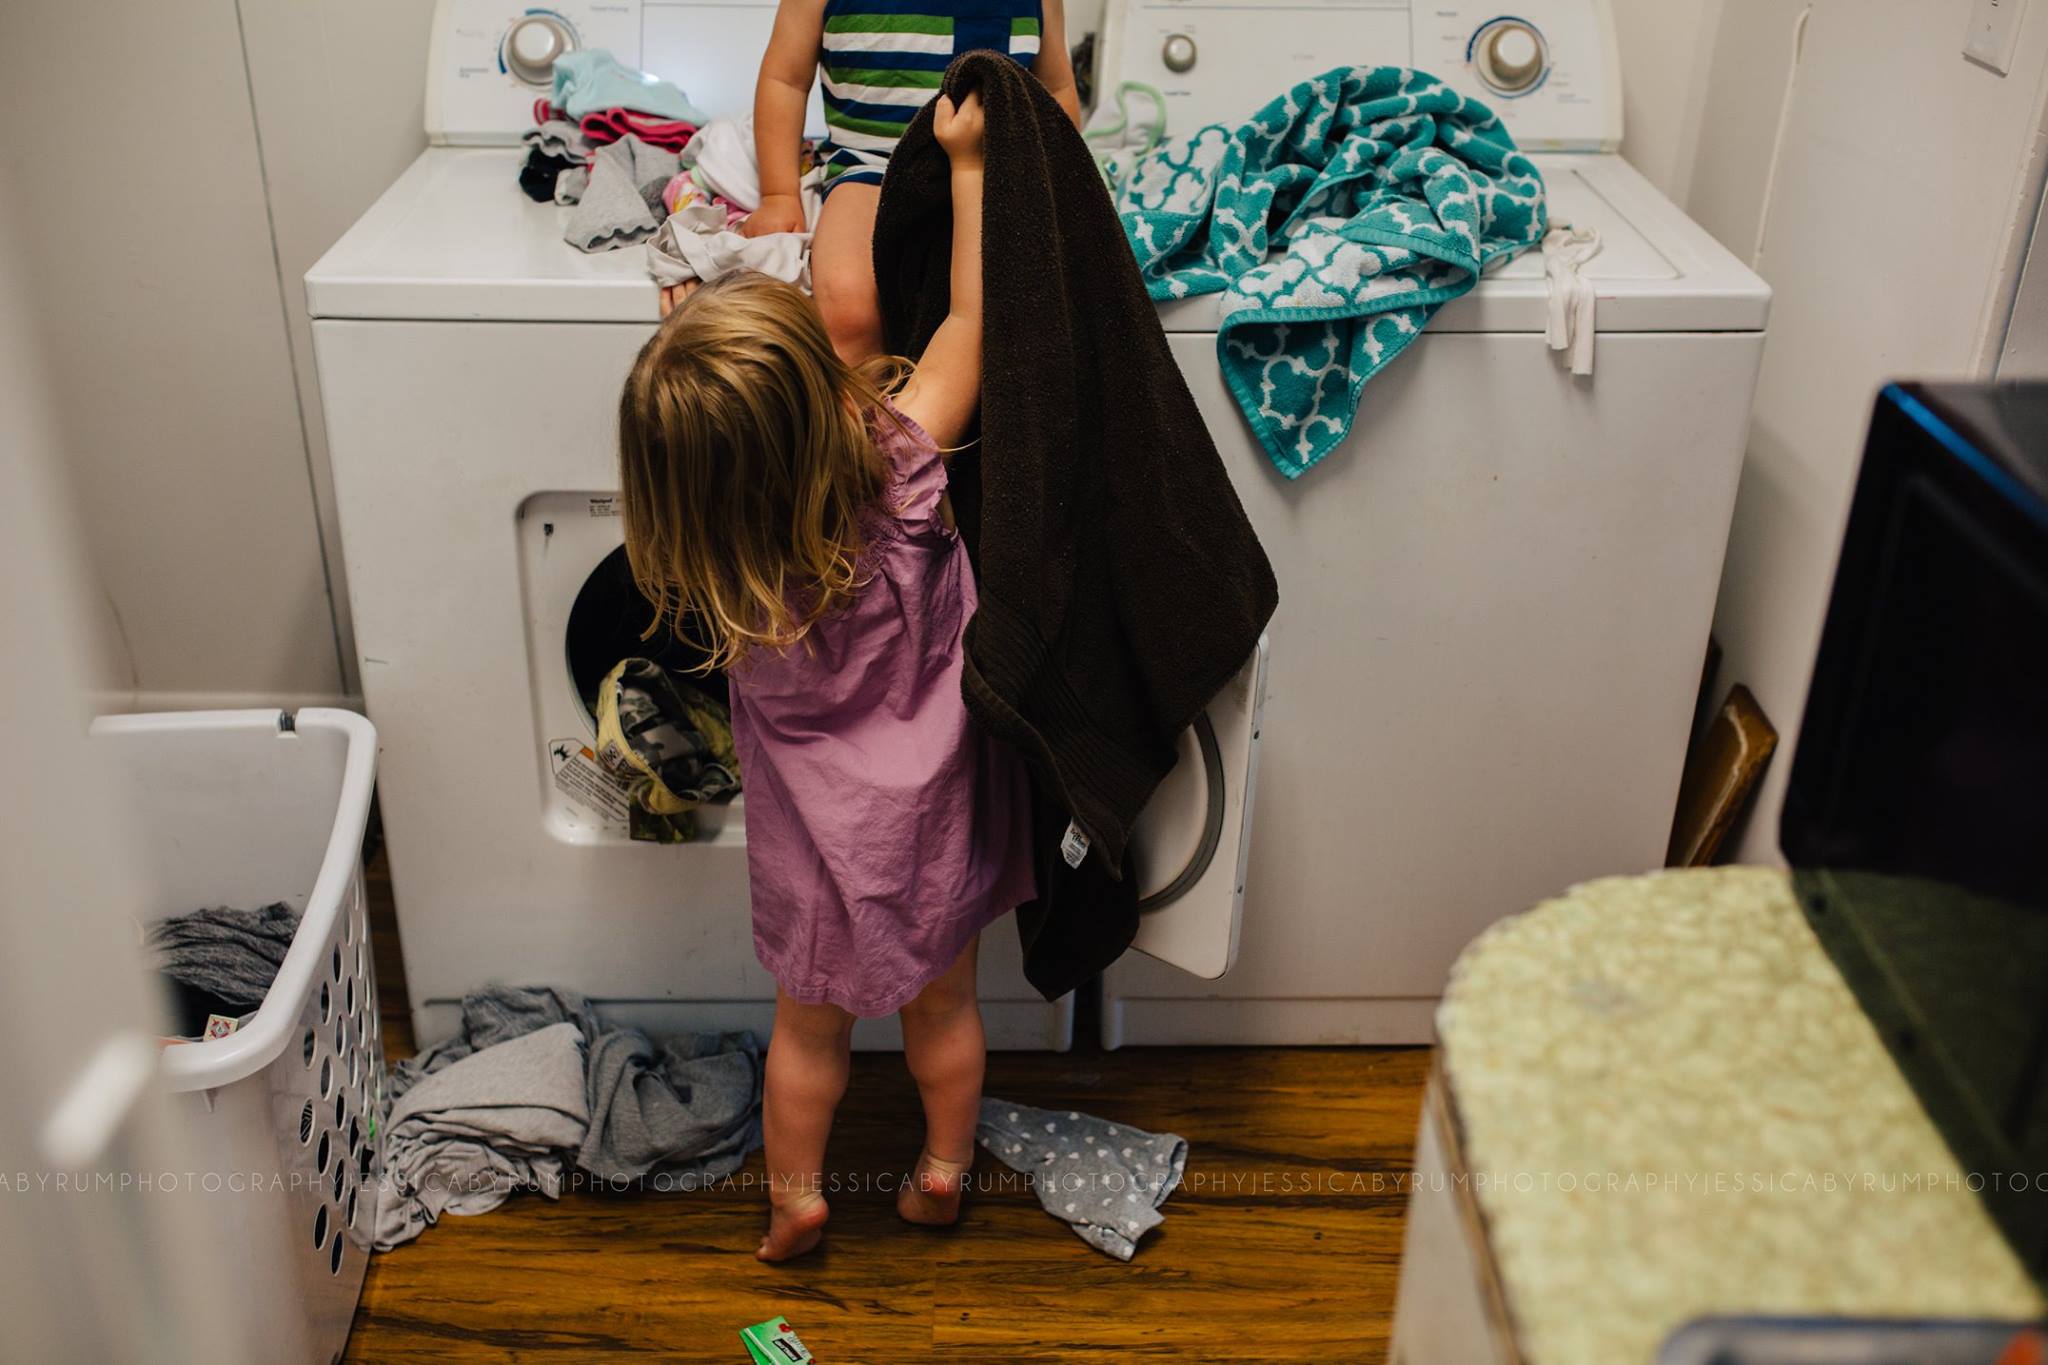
<point x="584" y="784"/>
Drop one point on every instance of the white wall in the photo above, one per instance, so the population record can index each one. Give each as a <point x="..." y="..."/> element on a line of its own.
<point x="1083" y="16"/>
<point x="110" y="1275"/>
<point x="1906" y="187"/>
<point x="54" y="604"/>
<point x="337" y="90"/>
<point x="1665" y="57"/>
<point x="180" y="374"/>
<point x="1751" y="46"/>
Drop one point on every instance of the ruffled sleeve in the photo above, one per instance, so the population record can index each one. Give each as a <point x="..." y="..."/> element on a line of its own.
<point x="917" y="471"/>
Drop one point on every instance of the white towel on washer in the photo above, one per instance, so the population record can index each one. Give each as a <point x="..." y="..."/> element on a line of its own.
<point x="1571" y="325"/>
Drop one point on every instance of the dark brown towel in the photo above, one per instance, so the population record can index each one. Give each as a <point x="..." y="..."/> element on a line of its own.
<point x="1121" y="584"/>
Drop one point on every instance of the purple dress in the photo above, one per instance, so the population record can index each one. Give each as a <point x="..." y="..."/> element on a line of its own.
<point x="884" y="828"/>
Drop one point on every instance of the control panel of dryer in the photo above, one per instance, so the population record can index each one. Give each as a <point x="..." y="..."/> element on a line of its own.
<point x="490" y="59"/>
<point x="1549" y="68"/>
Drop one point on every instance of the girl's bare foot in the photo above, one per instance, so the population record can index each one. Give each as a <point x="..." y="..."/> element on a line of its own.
<point x="794" y="1226"/>
<point x="931" y="1195"/>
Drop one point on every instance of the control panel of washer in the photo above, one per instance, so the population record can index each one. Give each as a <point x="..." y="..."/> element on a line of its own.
<point x="1549" y="68"/>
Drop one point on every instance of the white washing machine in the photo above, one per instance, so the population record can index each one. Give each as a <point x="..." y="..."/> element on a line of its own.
<point x="1495" y="598"/>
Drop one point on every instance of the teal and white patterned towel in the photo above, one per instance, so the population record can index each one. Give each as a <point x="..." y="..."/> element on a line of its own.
<point x="1385" y="193"/>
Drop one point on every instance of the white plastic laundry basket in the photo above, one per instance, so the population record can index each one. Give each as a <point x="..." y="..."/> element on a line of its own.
<point x="243" y="808"/>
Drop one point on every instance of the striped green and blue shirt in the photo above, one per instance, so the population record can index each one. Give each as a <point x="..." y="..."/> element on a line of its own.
<point x="883" y="60"/>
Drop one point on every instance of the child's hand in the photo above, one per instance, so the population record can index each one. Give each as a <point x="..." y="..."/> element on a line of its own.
<point x="672" y="295"/>
<point x="959" y="128"/>
<point x="778" y="213"/>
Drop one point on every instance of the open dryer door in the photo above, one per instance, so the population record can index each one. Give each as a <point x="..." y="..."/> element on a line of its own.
<point x="1191" y="841"/>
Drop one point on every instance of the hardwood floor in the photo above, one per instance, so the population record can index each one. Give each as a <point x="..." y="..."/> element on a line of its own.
<point x="1283" y="1243"/>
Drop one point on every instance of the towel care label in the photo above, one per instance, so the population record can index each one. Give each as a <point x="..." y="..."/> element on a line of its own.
<point x="1073" y="845"/>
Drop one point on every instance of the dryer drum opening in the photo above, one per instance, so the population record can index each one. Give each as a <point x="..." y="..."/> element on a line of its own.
<point x="607" y="623"/>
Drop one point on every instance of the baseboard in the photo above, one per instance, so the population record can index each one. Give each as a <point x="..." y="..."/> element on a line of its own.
<point x="1214" y="1022"/>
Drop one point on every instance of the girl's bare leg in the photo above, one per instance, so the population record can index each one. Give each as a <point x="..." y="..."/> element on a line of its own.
<point x="807" y="1069"/>
<point x="943" y="1044"/>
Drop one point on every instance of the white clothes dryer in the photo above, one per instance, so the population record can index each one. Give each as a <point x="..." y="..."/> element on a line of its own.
<point x="470" y="362"/>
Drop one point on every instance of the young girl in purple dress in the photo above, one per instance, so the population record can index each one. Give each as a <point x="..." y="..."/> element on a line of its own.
<point x="793" y="507"/>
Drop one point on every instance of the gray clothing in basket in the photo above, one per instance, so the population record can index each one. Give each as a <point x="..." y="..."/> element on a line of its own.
<point x="467" y="1136"/>
<point x="1106" y="1180"/>
<point x="232" y="954"/>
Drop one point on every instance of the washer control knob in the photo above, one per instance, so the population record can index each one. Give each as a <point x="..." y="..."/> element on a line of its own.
<point x="1510" y="56"/>
<point x="1178" y="54"/>
<point x="534" y="44"/>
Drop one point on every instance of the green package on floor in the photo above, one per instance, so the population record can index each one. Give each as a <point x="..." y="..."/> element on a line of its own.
<point x="774" y="1342"/>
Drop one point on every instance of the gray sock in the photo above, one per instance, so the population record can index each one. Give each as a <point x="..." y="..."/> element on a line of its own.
<point x="1106" y="1180"/>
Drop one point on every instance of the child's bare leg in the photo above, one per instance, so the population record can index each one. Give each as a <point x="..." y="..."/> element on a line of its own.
<point x="843" y="272"/>
<point x="942" y="1042"/>
<point x="807" y="1068"/>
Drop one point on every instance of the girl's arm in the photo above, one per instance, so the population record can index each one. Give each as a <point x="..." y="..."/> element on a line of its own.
<point x="945" y="389"/>
<point x="1053" y="66"/>
<point x="780" y="94"/>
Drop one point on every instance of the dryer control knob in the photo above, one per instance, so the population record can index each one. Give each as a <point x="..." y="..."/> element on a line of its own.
<point x="1178" y="54"/>
<point x="1510" y="56"/>
<point x="534" y="44"/>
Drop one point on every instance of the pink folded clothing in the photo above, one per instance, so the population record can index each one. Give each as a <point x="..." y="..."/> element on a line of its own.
<point x="606" y="126"/>
<point x="609" y="125"/>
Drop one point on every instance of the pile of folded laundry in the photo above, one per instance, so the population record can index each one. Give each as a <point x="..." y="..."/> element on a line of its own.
<point x="606" y="142"/>
<point x="632" y="159"/>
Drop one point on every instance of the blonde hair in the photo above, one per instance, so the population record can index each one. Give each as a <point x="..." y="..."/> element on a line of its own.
<point x="746" y="462"/>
